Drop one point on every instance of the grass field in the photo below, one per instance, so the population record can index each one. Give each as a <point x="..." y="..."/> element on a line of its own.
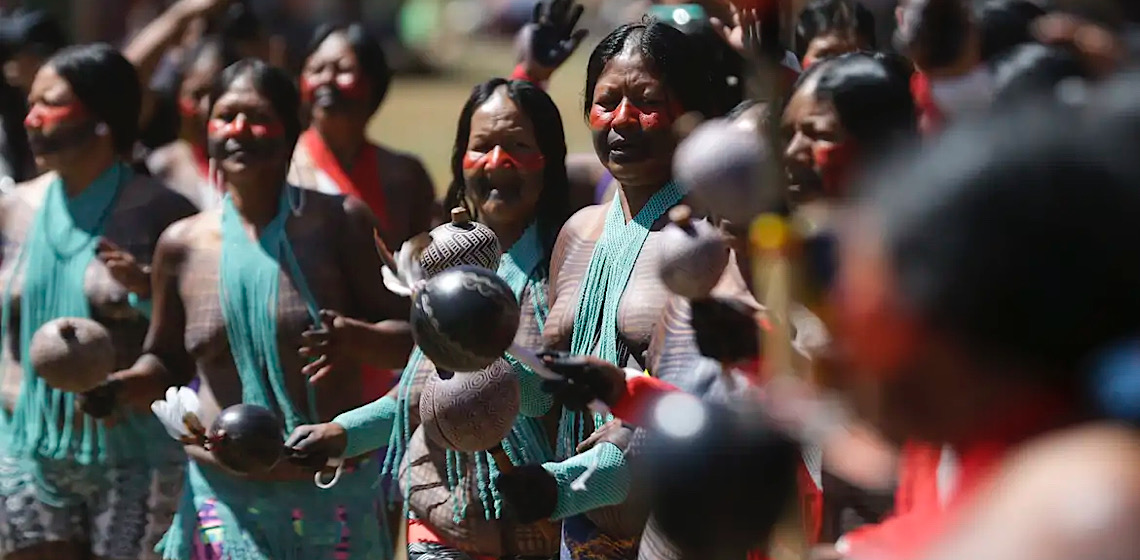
<point x="420" y="114"/>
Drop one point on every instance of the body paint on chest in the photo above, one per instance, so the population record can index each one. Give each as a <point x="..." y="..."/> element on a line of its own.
<point x="626" y="112"/>
<point x="498" y="158"/>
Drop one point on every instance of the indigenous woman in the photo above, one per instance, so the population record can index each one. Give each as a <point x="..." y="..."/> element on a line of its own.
<point x="606" y="297"/>
<point x="184" y="164"/>
<point x="343" y="82"/>
<point x="75" y="243"/>
<point x="948" y="309"/>
<point x="300" y="251"/>
<point x="508" y="171"/>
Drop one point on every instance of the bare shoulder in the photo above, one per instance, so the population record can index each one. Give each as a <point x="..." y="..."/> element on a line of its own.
<point x="182" y="236"/>
<point x="1084" y="489"/>
<point x="586" y="218"/>
<point x="404" y="164"/>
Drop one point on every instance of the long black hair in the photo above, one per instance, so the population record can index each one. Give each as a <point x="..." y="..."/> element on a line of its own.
<point x="870" y="93"/>
<point x="677" y="58"/>
<point x="821" y="17"/>
<point x="107" y="85"/>
<point x="554" y="203"/>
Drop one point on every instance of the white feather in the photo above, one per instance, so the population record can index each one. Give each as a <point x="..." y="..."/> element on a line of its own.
<point x="170" y="411"/>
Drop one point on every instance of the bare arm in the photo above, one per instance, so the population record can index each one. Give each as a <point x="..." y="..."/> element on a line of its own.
<point x="165" y="361"/>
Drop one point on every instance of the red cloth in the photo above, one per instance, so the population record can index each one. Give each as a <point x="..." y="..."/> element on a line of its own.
<point x="420" y="533"/>
<point x="911" y="533"/>
<point x="811" y="504"/>
<point x="640" y="393"/>
<point x="203" y="161"/>
<point x="520" y="74"/>
<point x="931" y="119"/>
<point x="362" y="181"/>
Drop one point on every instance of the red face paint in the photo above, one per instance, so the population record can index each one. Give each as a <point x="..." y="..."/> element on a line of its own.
<point x="348" y="84"/>
<point x="42" y="117"/>
<point x="835" y="163"/>
<point x="307" y="88"/>
<point x="241" y="125"/>
<point x="626" y="113"/>
<point x="188" y="107"/>
<point x="498" y="158"/>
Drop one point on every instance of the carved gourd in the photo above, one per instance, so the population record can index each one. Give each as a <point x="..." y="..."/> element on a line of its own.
<point x="72" y="354"/>
<point x="470" y="411"/>
<point x="464" y="318"/>
<point x="460" y="242"/>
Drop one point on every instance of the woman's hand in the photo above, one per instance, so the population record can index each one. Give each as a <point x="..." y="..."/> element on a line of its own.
<point x="338" y="343"/>
<point x="726" y="330"/>
<point x="744" y="33"/>
<point x="550" y="38"/>
<point x="313" y="445"/>
<point x="124" y="269"/>
<point x="584" y="379"/>
<point x="612" y="432"/>
<point x="531" y="491"/>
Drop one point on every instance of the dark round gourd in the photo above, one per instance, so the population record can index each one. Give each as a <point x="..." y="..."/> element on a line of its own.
<point x="460" y="242"/>
<point x="464" y="318"/>
<point x="72" y="354"/>
<point x="246" y="438"/>
<point x="470" y="411"/>
<point x="694" y="255"/>
<point x="720" y="477"/>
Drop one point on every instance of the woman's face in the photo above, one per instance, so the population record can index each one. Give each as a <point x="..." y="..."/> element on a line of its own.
<point x="332" y="82"/>
<point x="631" y="119"/>
<point x="60" y="128"/>
<point x="246" y="136"/>
<point x="817" y="152"/>
<point x="826" y="45"/>
<point x="503" y="166"/>
<point x="194" y="96"/>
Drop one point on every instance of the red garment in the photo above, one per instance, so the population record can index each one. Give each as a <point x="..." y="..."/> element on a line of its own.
<point x="361" y="181"/>
<point x="910" y="534"/>
<point x="931" y="119"/>
<point x="203" y="160"/>
<point x="420" y="533"/>
<point x="640" y="393"/>
<point x="811" y="504"/>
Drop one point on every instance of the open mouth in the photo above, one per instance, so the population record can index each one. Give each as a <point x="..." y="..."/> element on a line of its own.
<point x="502" y="190"/>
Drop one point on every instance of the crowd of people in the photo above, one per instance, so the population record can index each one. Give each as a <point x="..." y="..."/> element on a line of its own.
<point x="904" y="327"/>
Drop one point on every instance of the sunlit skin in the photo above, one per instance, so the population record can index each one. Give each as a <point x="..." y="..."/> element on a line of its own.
<point x="815" y="140"/>
<point x="503" y="167"/>
<point x="631" y="120"/>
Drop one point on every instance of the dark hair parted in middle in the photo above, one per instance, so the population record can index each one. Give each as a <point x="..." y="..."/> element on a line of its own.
<point x="369" y="55"/>
<point x="673" y="56"/>
<point x="107" y="85"/>
<point x="821" y="17"/>
<point x="271" y="82"/>
<point x="871" y="95"/>
<point x="554" y="203"/>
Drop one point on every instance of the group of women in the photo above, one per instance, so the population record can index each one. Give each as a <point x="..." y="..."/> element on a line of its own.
<point x="978" y="310"/>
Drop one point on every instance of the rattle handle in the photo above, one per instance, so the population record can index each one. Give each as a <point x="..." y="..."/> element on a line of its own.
<point x="503" y="462"/>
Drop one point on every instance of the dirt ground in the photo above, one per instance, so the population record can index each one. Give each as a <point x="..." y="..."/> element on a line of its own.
<point x="420" y="114"/>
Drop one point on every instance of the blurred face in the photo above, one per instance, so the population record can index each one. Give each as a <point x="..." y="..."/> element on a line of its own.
<point x="631" y="120"/>
<point x="503" y="167"/>
<point x="246" y="136"/>
<point x="827" y="45"/>
<point x="21" y="69"/>
<point x="817" y="157"/>
<point x="332" y="81"/>
<point x="61" y="131"/>
<point x="194" y="96"/>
